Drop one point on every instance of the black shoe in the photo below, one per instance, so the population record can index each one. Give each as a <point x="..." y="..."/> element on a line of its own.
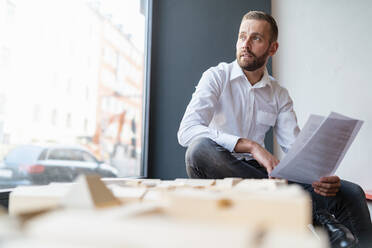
<point x="339" y="235"/>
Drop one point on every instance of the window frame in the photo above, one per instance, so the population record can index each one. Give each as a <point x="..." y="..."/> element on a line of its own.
<point x="147" y="87"/>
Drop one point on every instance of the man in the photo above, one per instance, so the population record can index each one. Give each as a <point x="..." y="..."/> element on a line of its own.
<point x="233" y="107"/>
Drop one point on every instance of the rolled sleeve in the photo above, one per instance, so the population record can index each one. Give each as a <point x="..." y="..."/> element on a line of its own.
<point x="227" y="141"/>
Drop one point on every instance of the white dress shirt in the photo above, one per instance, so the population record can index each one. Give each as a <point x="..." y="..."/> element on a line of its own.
<point x="226" y="107"/>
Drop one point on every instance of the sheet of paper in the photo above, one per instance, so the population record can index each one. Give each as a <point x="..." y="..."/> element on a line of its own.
<point x="304" y="136"/>
<point x="319" y="148"/>
<point x="353" y="135"/>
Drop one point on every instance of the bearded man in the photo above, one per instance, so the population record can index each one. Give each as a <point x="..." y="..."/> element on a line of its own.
<point x="225" y="123"/>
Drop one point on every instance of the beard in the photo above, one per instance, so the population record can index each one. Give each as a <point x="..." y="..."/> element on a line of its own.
<point x="254" y="64"/>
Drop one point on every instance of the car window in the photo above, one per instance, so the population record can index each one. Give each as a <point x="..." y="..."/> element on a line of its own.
<point x="88" y="158"/>
<point x="23" y="155"/>
<point x="43" y="154"/>
<point x="66" y="154"/>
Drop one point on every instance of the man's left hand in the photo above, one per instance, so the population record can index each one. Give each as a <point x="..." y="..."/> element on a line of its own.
<point x="327" y="186"/>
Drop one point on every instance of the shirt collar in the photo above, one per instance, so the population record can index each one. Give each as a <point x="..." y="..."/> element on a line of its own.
<point x="237" y="71"/>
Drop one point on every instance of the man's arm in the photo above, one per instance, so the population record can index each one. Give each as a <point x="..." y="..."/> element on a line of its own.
<point x="263" y="157"/>
<point x="286" y="128"/>
<point x="200" y="111"/>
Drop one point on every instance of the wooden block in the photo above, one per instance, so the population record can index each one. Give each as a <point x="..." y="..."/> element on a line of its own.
<point x="156" y="195"/>
<point x="89" y="192"/>
<point x="27" y="199"/>
<point x="284" y="239"/>
<point x="116" y="181"/>
<point x="132" y="182"/>
<point x="176" y="238"/>
<point x="92" y="229"/>
<point x="128" y="194"/>
<point x="10" y="227"/>
<point x="227" y="183"/>
<point x="149" y="183"/>
<point x="196" y="183"/>
<point x="287" y="207"/>
<point x="34" y="199"/>
<point x="250" y="185"/>
<point x="2" y="211"/>
<point x="36" y="243"/>
<point x="169" y="184"/>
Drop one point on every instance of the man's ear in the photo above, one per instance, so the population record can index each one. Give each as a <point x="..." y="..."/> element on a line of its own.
<point x="273" y="48"/>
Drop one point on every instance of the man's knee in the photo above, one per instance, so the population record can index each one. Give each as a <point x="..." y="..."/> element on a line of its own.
<point x="198" y="150"/>
<point x="351" y="190"/>
<point x="199" y="156"/>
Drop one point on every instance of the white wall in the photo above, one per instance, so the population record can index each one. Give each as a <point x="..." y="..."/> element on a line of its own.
<point x="325" y="61"/>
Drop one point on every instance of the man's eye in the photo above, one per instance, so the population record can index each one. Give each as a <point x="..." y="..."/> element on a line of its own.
<point x="256" y="38"/>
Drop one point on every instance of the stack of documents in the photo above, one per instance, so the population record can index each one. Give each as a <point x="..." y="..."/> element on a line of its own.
<point x="318" y="149"/>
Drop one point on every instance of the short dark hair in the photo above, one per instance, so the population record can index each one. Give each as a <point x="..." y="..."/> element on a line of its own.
<point x="259" y="15"/>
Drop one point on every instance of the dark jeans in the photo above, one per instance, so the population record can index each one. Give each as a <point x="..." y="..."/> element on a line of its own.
<point x="207" y="159"/>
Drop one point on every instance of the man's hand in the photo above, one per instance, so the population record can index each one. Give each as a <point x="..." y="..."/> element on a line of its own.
<point x="327" y="186"/>
<point x="263" y="157"/>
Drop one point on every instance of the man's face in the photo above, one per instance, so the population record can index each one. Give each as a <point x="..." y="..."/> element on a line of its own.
<point x="253" y="46"/>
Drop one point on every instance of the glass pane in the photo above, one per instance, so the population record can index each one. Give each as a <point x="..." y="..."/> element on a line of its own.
<point x="71" y="75"/>
<point x="88" y="158"/>
<point x="23" y="155"/>
<point x="65" y="154"/>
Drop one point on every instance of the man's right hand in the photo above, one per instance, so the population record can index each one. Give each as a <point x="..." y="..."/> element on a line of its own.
<point x="263" y="157"/>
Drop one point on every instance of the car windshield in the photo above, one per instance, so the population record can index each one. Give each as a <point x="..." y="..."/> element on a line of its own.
<point x="23" y="155"/>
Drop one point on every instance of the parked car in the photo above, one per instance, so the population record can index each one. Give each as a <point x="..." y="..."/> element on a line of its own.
<point x="44" y="164"/>
<point x="7" y="181"/>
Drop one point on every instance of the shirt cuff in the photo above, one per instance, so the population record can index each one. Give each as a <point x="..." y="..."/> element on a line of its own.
<point x="227" y="141"/>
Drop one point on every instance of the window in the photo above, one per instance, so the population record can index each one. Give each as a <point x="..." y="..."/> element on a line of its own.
<point x="54" y="116"/>
<point x="36" y="113"/>
<point x="65" y="154"/>
<point x="2" y="104"/>
<point x="23" y="155"/>
<point x="72" y="74"/>
<point x="43" y="155"/>
<point x="68" y="120"/>
<point x="85" y="125"/>
<point x="88" y="158"/>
